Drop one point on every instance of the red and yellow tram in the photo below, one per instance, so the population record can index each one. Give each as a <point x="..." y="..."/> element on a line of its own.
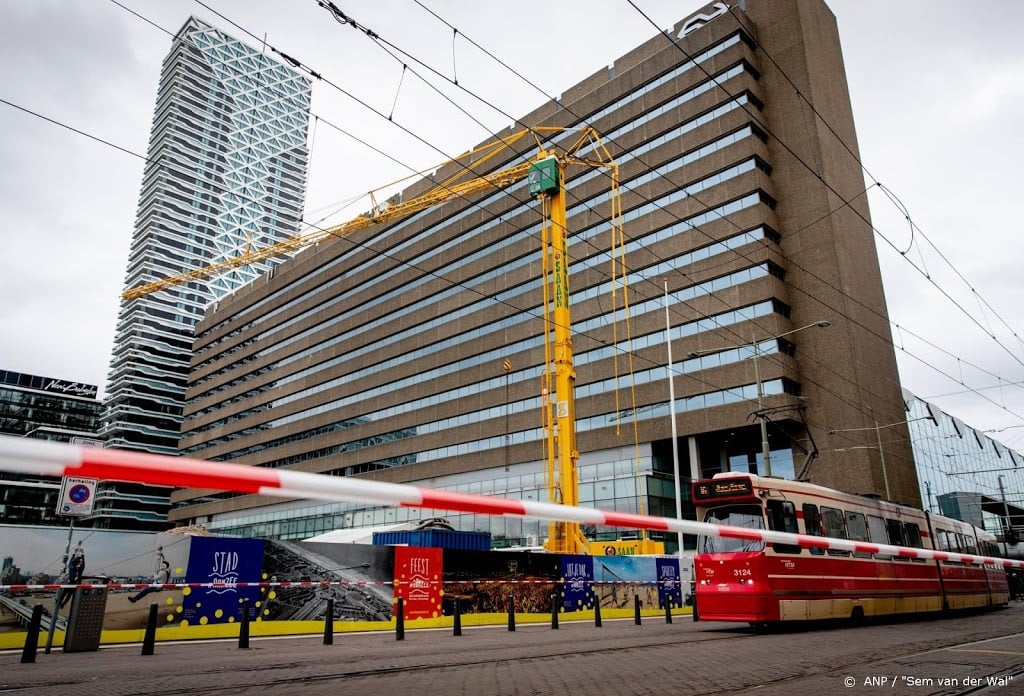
<point x="757" y="582"/>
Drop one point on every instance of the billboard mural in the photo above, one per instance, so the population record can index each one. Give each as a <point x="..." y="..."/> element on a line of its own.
<point x="227" y="561"/>
<point x="577" y="581"/>
<point x="621" y="578"/>
<point x="484" y="581"/>
<point x="357" y="580"/>
<point x="670" y="587"/>
<point x="418" y="580"/>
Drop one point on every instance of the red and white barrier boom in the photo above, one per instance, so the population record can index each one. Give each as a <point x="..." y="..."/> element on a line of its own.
<point x="24" y="456"/>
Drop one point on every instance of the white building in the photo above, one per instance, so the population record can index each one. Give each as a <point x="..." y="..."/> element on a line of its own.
<point x="226" y="170"/>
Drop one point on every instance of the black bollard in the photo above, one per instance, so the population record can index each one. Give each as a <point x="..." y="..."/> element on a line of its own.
<point x="511" y="614"/>
<point x="329" y="623"/>
<point x="636" y="610"/>
<point x="149" y="638"/>
<point x="554" y="612"/>
<point x="243" y="628"/>
<point x="28" y="653"/>
<point x="693" y="599"/>
<point x="668" y="610"/>
<point x="457" y="616"/>
<point x="597" y="612"/>
<point x="400" y="620"/>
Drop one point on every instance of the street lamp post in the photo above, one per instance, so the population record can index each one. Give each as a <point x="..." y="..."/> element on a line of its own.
<point x="1006" y="518"/>
<point x="881" y="459"/>
<point x="756" y="346"/>
<point x="765" y="449"/>
<point x="672" y="416"/>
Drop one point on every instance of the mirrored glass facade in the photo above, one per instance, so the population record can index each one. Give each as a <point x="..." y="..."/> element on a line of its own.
<point x="58" y="410"/>
<point x="964" y="472"/>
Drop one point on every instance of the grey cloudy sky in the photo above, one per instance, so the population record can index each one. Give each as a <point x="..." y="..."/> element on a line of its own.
<point x="937" y="89"/>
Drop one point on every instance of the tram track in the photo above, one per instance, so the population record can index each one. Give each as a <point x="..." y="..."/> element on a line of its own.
<point x="619" y="659"/>
<point x="896" y="674"/>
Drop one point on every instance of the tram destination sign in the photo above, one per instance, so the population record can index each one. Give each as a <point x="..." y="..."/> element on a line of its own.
<point x="723" y="488"/>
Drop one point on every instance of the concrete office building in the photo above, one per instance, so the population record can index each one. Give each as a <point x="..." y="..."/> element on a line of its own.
<point x="226" y="168"/>
<point x="386" y="358"/>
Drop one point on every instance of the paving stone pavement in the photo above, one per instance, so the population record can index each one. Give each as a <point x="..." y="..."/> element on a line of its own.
<point x="618" y="659"/>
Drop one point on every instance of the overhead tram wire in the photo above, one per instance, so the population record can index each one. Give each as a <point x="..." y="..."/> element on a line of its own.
<point x="377" y="38"/>
<point x="425" y="81"/>
<point x="253" y="35"/>
<point x="369" y="34"/>
<point x="841" y="197"/>
<point x="316" y="75"/>
<point x="77" y="131"/>
<point x="694" y="197"/>
<point x="140" y="157"/>
<point x="810" y="169"/>
<point x="892" y="197"/>
<point x="295" y="63"/>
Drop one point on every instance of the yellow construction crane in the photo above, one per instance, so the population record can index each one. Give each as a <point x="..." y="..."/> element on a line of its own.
<point x="546" y="175"/>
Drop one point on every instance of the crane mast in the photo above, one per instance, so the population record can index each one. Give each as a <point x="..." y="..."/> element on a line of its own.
<point x="547" y="183"/>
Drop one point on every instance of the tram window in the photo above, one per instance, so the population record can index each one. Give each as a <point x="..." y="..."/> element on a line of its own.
<point x="969" y="546"/>
<point x="835" y="527"/>
<point x="812" y="525"/>
<point x="945" y="543"/>
<point x="912" y="533"/>
<point x="782" y="518"/>
<point x="857" y="528"/>
<point x="878" y="534"/>
<point x="896" y="535"/>
<point x="750" y="516"/>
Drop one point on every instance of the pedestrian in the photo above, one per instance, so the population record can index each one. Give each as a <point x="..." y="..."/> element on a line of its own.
<point x="1016" y="586"/>
<point x="74" y="571"/>
<point x="76" y="565"/>
<point x="161" y="577"/>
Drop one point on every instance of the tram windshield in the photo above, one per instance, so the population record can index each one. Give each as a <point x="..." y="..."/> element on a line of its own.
<point x="749" y="516"/>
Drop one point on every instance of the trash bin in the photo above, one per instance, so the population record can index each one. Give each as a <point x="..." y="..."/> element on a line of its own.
<point x="85" y="620"/>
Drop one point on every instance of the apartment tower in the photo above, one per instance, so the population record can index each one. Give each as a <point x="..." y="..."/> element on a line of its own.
<point x="225" y="170"/>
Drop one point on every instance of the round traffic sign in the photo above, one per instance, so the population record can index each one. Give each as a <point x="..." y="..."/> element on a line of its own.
<point x="79" y="493"/>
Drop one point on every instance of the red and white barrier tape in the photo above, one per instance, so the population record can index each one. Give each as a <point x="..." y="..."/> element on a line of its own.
<point x="287" y="584"/>
<point x="25" y="456"/>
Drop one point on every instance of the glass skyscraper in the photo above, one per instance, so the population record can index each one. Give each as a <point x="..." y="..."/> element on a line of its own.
<point x="225" y="172"/>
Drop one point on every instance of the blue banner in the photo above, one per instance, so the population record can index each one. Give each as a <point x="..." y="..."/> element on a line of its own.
<point x="228" y="561"/>
<point x="669" y="582"/>
<point x="577" y="579"/>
